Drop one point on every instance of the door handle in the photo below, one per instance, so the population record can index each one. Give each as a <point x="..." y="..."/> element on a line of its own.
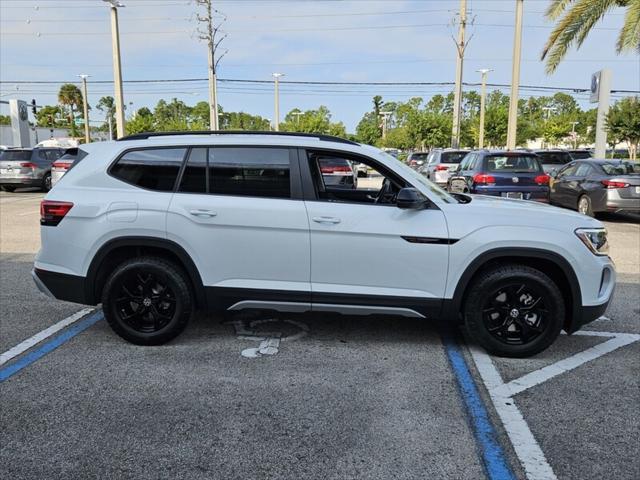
<point x="202" y="213"/>
<point x="326" y="220"/>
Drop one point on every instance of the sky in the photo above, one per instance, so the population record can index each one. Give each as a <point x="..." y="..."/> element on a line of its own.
<point x="307" y="40"/>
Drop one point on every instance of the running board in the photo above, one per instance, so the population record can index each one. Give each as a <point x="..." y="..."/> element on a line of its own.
<point x="301" y="307"/>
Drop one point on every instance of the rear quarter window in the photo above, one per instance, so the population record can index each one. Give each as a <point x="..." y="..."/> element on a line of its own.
<point x="152" y="169"/>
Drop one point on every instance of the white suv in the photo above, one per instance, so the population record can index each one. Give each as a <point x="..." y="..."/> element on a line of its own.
<point x="155" y="226"/>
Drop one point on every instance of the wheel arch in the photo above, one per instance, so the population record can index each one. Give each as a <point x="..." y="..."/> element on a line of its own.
<point x="548" y="262"/>
<point x="115" y="251"/>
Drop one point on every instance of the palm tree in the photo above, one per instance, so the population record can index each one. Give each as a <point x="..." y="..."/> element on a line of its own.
<point x="576" y="18"/>
<point x="107" y="105"/>
<point x="71" y="95"/>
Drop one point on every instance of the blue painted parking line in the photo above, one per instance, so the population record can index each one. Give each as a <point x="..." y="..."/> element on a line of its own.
<point x="10" y="370"/>
<point x="492" y="453"/>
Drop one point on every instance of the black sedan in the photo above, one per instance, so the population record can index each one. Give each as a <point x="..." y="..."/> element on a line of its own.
<point x="592" y="186"/>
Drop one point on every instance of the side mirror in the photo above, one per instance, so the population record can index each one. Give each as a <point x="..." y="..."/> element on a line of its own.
<point x="410" y="198"/>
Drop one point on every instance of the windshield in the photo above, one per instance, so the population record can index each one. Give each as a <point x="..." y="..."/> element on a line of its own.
<point x="452" y="157"/>
<point x="512" y="164"/>
<point x="15" y="155"/>
<point x="622" y="168"/>
<point x="416" y="177"/>
<point x="580" y="155"/>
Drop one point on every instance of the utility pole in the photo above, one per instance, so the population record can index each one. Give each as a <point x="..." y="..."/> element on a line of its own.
<point x="117" y="67"/>
<point x="483" y="95"/>
<point x="573" y="134"/>
<point x="385" y="118"/>
<point x="457" y="94"/>
<point x="211" y="31"/>
<point x="85" y="104"/>
<point x="602" y="94"/>
<point x="276" y="121"/>
<point x="110" y="127"/>
<point x="512" y="128"/>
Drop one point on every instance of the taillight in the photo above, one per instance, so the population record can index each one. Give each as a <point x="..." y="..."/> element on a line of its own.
<point x="542" y="179"/>
<point x="336" y="170"/>
<point x="52" y="213"/>
<point x="614" y="184"/>
<point x="61" y="165"/>
<point x="30" y="165"/>
<point x="441" y="167"/>
<point x="483" y="178"/>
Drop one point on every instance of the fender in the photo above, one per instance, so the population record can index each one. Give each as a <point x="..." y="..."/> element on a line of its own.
<point x="153" y="242"/>
<point x="452" y="307"/>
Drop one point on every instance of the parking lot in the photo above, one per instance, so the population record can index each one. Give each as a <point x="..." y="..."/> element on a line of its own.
<point x="313" y="396"/>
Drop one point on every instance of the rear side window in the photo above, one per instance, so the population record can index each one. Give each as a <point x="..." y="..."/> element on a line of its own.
<point x="255" y="172"/>
<point x="512" y="164"/>
<point x="194" y="177"/>
<point x="153" y="169"/>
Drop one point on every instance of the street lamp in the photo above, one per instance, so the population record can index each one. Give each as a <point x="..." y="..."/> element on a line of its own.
<point x="276" y="121"/>
<point x="483" y="94"/>
<point x="85" y="101"/>
<point x="117" y="67"/>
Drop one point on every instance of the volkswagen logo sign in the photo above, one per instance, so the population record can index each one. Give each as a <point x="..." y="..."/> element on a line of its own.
<point x="23" y="112"/>
<point x="515" y="179"/>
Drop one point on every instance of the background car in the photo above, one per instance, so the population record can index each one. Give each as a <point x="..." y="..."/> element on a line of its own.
<point x="417" y="159"/>
<point x="441" y="163"/>
<point x="27" y="167"/>
<point x="552" y="160"/>
<point x="64" y="163"/>
<point x="338" y="172"/>
<point x="592" y="186"/>
<point x="513" y="174"/>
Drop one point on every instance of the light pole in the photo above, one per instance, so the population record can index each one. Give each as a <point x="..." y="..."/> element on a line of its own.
<point x="85" y="104"/>
<point x="117" y="68"/>
<point x="483" y="94"/>
<point x="385" y="117"/>
<point x="512" y="127"/>
<point x="297" y="115"/>
<point x="276" y="121"/>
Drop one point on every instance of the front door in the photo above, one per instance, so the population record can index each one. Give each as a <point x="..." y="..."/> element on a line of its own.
<point x="235" y="212"/>
<point x="366" y="251"/>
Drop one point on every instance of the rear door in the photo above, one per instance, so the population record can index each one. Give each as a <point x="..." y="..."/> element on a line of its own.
<point x="238" y="212"/>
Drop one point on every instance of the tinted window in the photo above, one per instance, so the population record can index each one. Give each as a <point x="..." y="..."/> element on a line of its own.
<point x="554" y="158"/>
<point x="622" y="168"/>
<point x="584" y="170"/>
<point x="418" y="156"/>
<point x="580" y="155"/>
<point x="194" y="178"/>
<point x="10" y="155"/>
<point x="154" y="169"/>
<point x="570" y="170"/>
<point x="512" y="164"/>
<point x="257" y="172"/>
<point x="452" y="157"/>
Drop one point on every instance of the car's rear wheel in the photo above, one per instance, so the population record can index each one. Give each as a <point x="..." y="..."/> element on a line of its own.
<point x="147" y="301"/>
<point x="514" y="310"/>
<point x="46" y="182"/>
<point x="8" y="189"/>
<point x="584" y="206"/>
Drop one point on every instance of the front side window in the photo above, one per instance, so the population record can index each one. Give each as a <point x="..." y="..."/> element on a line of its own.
<point x="153" y="169"/>
<point x="568" y="170"/>
<point x="246" y="171"/>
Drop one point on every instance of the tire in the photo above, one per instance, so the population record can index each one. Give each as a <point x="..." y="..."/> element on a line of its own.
<point x="46" y="182"/>
<point x="8" y="189"/>
<point x="147" y="301"/>
<point x="504" y="316"/>
<point x="584" y="206"/>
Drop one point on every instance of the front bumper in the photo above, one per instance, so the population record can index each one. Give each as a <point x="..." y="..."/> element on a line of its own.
<point x="61" y="286"/>
<point x="587" y="314"/>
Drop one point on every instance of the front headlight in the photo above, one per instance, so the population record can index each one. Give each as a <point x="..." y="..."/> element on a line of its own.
<point x="595" y="239"/>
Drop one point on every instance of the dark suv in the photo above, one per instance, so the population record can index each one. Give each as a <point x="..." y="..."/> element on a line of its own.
<point x="514" y="174"/>
<point x="27" y="167"/>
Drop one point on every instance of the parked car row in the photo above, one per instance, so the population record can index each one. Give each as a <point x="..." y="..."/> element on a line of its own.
<point x="34" y="167"/>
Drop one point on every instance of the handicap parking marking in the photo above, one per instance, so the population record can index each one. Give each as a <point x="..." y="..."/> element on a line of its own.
<point x="78" y="325"/>
<point x="502" y="394"/>
<point x="269" y="341"/>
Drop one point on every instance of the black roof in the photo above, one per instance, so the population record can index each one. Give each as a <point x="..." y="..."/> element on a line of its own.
<point x="147" y="135"/>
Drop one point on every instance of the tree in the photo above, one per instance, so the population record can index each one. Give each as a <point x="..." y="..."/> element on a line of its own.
<point x="142" y="121"/>
<point x="576" y="18"/>
<point x="623" y="123"/>
<point x="51" y="116"/>
<point x="71" y="96"/>
<point x="243" y="121"/>
<point x="5" y="120"/>
<point x="107" y="105"/>
<point x="313" y="121"/>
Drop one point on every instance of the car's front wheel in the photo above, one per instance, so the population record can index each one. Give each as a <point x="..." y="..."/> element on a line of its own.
<point x="514" y="310"/>
<point x="147" y="300"/>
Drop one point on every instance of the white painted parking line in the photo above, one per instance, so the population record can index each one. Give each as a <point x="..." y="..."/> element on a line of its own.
<point x="524" y="443"/>
<point x="40" y="336"/>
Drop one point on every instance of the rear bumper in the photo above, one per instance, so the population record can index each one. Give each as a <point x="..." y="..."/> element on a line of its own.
<point x="538" y="194"/>
<point x="615" y="203"/>
<point x="61" y="286"/>
<point x="20" y="182"/>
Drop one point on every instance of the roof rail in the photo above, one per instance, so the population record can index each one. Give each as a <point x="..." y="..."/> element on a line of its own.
<point x="319" y="136"/>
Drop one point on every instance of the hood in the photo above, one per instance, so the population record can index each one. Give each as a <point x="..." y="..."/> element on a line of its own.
<point x="485" y="210"/>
